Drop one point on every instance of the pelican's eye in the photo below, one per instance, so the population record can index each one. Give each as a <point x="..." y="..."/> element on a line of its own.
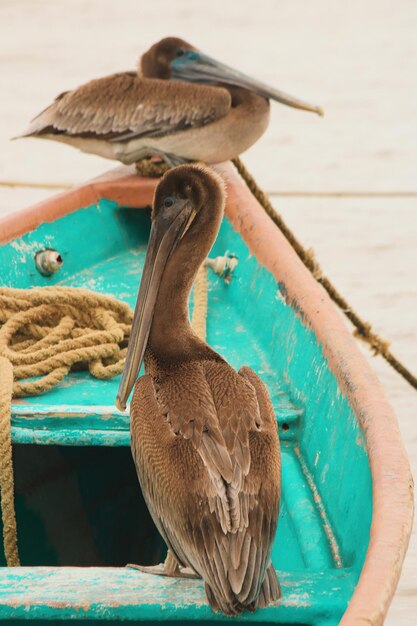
<point x="169" y="202"/>
<point x="180" y="52"/>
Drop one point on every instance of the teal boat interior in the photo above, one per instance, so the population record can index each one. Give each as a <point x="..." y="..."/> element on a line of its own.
<point x="80" y="513"/>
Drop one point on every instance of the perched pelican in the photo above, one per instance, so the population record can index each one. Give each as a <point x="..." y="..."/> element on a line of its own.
<point x="204" y="437"/>
<point x="160" y="111"/>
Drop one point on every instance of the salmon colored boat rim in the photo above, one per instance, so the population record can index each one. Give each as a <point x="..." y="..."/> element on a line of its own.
<point x="392" y="512"/>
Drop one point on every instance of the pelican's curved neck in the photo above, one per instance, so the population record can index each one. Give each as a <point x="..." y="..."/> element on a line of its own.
<point x="171" y="336"/>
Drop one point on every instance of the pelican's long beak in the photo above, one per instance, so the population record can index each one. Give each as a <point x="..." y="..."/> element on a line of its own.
<point x="167" y="229"/>
<point x="197" y="67"/>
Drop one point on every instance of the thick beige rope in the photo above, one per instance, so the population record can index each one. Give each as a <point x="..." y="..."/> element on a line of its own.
<point x="6" y="466"/>
<point x="44" y="333"/>
<point x="199" y="321"/>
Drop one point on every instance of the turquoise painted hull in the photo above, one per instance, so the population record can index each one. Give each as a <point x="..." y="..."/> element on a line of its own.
<point x="78" y="501"/>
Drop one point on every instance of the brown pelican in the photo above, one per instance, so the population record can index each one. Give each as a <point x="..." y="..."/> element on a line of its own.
<point x="180" y="105"/>
<point x="204" y="437"/>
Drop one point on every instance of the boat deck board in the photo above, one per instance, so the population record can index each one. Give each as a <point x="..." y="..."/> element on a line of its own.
<point x="137" y="596"/>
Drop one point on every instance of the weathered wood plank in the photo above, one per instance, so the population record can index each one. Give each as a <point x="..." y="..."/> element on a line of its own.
<point x="127" y="594"/>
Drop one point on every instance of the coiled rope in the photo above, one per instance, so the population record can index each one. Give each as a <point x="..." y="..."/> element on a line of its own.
<point x="363" y="330"/>
<point x="46" y="332"/>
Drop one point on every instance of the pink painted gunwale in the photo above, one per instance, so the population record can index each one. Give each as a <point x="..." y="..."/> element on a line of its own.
<point x="391" y="475"/>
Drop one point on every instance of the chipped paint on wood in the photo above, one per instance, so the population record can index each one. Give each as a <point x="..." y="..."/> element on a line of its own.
<point x="126" y="594"/>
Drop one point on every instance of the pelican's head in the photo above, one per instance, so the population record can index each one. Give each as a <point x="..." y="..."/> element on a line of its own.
<point x="174" y="58"/>
<point x="157" y="61"/>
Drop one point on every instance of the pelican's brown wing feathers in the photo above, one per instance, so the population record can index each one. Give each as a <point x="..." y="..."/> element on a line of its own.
<point x="123" y="106"/>
<point x="212" y="476"/>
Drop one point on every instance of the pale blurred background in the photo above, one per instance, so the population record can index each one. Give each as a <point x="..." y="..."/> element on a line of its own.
<point x="347" y="183"/>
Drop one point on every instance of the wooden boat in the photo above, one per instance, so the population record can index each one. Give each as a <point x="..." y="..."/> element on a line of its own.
<point x="347" y="488"/>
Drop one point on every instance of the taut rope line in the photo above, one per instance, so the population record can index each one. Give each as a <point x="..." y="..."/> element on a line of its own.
<point x="363" y="329"/>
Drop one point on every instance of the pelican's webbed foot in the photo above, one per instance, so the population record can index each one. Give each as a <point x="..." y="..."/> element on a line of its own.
<point x="170" y="567"/>
<point x="147" y="166"/>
